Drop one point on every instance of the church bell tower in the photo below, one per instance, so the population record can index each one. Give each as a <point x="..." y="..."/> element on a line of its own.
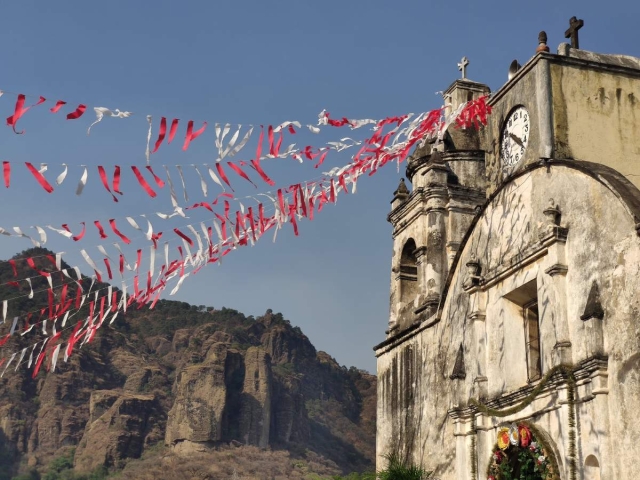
<point x="429" y="221"/>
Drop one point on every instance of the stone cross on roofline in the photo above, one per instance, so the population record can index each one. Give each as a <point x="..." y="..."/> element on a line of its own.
<point x="462" y="66"/>
<point x="572" y="32"/>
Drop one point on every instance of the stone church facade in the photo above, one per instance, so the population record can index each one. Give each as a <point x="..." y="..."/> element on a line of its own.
<point x="515" y="284"/>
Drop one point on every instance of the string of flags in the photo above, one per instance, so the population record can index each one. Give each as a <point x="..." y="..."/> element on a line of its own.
<point x="230" y="139"/>
<point x="470" y="114"/>
<point x="197" y="246"/>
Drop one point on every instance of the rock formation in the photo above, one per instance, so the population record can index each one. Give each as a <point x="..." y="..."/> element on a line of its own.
<point x="186" y="381"/>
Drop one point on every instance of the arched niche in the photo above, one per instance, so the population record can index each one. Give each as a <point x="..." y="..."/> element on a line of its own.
<point x="408" y="272"/>
<point x="522" y="450"/>
<point x="591" y="468"/>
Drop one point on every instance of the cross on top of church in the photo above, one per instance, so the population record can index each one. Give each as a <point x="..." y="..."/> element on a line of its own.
<point x="572" y="32"/>
<point x="462" y="66"/>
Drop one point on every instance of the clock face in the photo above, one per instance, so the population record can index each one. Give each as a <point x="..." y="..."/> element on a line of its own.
<point x="515" y="137"/>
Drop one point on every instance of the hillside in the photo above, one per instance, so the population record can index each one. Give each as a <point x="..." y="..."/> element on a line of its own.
<point x="179" y="389"/>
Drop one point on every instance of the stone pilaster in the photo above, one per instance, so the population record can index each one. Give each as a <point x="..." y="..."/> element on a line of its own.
<point x="555" y="267"/>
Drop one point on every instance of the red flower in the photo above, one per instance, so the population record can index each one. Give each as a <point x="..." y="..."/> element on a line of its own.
<point x="525" y="435"/>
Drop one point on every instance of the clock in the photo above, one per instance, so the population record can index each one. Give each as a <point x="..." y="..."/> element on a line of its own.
<point x="515" y="136"/>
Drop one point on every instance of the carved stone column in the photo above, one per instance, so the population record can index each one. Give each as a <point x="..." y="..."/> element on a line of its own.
<point x="421" y="262"/>
<point x="436" y="259"/>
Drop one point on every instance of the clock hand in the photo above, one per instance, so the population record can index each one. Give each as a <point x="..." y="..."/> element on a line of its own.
<point x="516" y="139"/>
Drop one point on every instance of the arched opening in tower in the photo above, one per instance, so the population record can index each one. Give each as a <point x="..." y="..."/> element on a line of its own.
<point x="408" y="272"/>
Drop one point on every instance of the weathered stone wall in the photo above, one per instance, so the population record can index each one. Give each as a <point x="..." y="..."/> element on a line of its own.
<point x="421" y="410"/>
<point x="597" y="112"/>
<point x="582" y="105"/>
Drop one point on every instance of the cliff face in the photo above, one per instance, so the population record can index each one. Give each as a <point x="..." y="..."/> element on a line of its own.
<point x="185" y="380"/>
<point x="259" y="395"/>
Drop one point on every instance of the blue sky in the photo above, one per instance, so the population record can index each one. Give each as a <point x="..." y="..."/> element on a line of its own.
<point x="255" y="62"/>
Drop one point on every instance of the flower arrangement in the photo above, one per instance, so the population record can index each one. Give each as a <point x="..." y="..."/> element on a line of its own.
<point x="518" y="456"/>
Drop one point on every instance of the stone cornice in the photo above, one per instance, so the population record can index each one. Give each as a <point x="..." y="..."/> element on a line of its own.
<point x="560" y="60"/>
<point x="416" y="164"/>
<point x="404" y="214"/>
<point x="585" y="371"/>
<point x="464" y="155"/>
<point x="468" y="85"/>
<point x="404" y="335"/>
<point x="401" y="210"/>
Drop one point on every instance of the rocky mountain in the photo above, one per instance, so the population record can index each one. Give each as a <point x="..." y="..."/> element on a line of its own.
<point x="179" y="385"/>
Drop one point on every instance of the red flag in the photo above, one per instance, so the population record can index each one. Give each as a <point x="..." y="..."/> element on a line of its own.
<point x="322" y="157"/>
<point x="311" y="201"/>
<point x="139" y="260"/>
<point x="223" y="194"/>
<point x="43" y="354"/>
<point x="6" y="171"/>
<point x="112" y="222"/>
<point x="342" y="183"/>
<point x="191" y="135"/>
<point x="239" y="171"/>
<point x="114" y="302"/>
<point x="183" y="236"/>
<point x="143" y="183"/>
<point x="108" y="265"/>
<point x="116" y="180"/>
<point x="158" y="180"/>
<point x="58" y="106"/>
<point x="270" y="138"/>
<point x="20" y="110"/>
<point x="261" y="220"/>
<point x="78" y="297"/>
<point x="292" y="215"/>
<point x="223" y="175"/>
<point x="77" y="113"/>
<point x="105" y="182"/>
<point x="281" y="201"/>
<point x="39" y="177"/>
<point x="161" y="134"/>
<point x="100" y="229"/>
<point x="172" y="131"/>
